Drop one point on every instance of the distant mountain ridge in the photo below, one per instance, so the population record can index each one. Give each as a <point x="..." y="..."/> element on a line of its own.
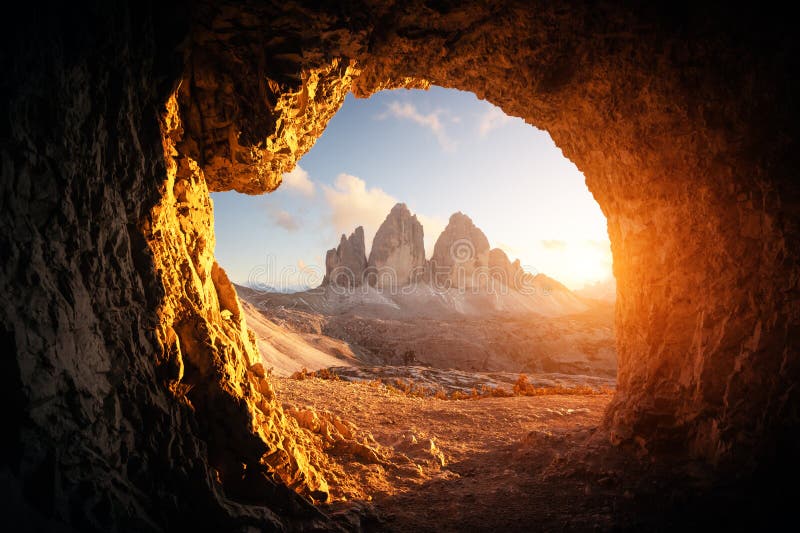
<point x="464" y="276"/>
<point x="468" y="307"/>
<point x="462" y="258"/>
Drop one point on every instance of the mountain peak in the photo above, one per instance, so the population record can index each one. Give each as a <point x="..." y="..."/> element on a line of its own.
<point x="397" y="257"/>
<point x="460" y="250"/>
<point x="345" y="264"/>
<point x="459" y="217"/>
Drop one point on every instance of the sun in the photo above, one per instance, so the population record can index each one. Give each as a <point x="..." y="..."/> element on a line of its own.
<point x="585" y="262"/>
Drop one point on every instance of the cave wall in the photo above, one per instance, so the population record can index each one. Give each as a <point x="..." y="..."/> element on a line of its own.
<point x="135" y="398"/>
<point x="682" y="119"/>
<point x="127" y="369"/>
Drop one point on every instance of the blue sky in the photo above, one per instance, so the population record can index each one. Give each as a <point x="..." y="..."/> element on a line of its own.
<point x="439" y="151"/>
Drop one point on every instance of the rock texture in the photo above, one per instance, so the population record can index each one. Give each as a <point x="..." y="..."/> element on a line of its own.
<point x="460" y="256"/>
<point x="503" y="270"/>
<point x="397" y="257"/>
<point x="463" y="277"/>
<point x="682" y="118"/>
<point x="210" y="359"/>
<point x="345" y="264"/>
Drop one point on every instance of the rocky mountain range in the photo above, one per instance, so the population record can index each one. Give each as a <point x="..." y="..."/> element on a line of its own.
<point x="462" y="259"/>
<point x="468" y="307"/>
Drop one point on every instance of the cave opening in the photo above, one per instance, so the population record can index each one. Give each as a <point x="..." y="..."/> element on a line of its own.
<point x="142" y="401"/>
<point x="418" y="310"/>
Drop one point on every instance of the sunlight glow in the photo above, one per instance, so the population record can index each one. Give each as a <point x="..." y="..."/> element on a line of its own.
<point x="439" y="151"/>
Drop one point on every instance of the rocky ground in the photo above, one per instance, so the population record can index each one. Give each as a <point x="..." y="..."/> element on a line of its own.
<point x="438" y="464"/>
<point x="527" y="463"/>
<point x="581" y="343"/>
<point x="292" y="336"/>
<point x="427" y="381"/>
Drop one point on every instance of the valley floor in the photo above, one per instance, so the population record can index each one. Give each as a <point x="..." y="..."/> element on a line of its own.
<point x="457" y="465"/>
<point x="402" y="463"/>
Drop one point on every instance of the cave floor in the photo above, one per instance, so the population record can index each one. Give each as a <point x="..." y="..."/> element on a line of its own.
<point x="500" y="464"/>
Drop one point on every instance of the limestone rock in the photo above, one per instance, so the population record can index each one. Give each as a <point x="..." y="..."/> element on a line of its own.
<point x="503" y="270"/>
<point x="397" y="257"/>
<point x="694" y="172"/>
<point x="461" y="254"/>
<point x="345" y="264"/>
<point x="119" y="356"/>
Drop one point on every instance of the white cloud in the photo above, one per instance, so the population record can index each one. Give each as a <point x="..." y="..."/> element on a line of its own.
<point x="297" y="180"/>
<point x="284" y="219"/>
<point x="555" y="244"/>
<point x="492" y="119"/>
<point x="431" y="121"/>
<point x="603" y="246"/>
<point x="353" y="204"/>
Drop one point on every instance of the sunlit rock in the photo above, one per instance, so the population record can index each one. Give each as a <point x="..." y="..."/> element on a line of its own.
<point x="397" y="257"/>
<point x="345" y="264"/>
<point x="503" y="271"/>
<point x="460" y="256"/>
<point x="130" y="397"/>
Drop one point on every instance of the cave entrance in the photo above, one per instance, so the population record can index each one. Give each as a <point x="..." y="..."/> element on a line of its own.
<point x="438" y="153"/>
<point x="139" y="399"/>
<point x="468" y="271"/>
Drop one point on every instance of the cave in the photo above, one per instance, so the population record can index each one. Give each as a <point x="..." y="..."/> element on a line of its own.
<point x="134" y="397"/>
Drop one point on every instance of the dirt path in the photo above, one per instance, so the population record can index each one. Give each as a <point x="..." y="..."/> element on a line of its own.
<point x="474" y="465"/>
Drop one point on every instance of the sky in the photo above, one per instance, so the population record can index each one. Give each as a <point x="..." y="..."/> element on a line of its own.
<point x="439" y="151"/>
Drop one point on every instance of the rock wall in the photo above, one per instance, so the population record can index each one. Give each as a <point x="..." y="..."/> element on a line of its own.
<point x="345" y="264"/>
<point x="681" y="119"/>
<point x="397" y="256"/>
<point x="460" y="256"/>
<point x="128" y="369"/>
<point x="133" y="401"/>
<point x="503" y="270"/>
<point x="210" y="359"/>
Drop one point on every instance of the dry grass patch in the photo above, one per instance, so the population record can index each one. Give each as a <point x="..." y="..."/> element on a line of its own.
<point x="408" y="387"/>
